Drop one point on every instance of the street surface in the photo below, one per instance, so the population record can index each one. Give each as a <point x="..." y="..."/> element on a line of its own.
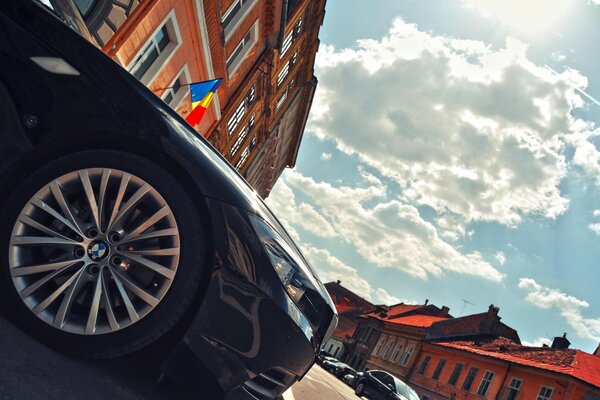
<point x="30" y="370"/>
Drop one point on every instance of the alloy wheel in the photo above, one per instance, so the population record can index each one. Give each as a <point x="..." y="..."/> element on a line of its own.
<point x="94" y="251"/>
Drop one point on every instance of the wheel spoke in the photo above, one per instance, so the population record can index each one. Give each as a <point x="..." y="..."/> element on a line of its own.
<point x="160" y="214"/>
<point x="40" y="241"/>
<point x="67" y="301"/>
<point x="128" y="206"/>
<point x="136" y="289"/>
<point x="122" y="187"/>
<point x="91" y="198"/>
<point x="50" y="299"/>
<point x="64" y="206"/>
<point x="164" y="271"/>
<point x="93" y="315"/>
<point x="34" y="224"/>
<point x="131" y="311"/>
<point x="39" y="203"/>
<point x="102" y="196"/>
<point x="149" y="235"/>
<point x="112" y="321"/>
<point x="36" y="269"/>
<point x="153" y="252"/>
<point x="28" y="291"/>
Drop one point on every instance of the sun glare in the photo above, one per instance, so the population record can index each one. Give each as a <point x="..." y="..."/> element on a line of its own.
<point x="527" y="16"/>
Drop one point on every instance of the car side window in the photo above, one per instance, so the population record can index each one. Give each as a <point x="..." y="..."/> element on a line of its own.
<point x="378" y="375"/>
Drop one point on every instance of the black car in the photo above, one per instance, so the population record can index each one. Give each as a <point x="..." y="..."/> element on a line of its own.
<point x="121" y="226"/>
<point x="381" y="385"/>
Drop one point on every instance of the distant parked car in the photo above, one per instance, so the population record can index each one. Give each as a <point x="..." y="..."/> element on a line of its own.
<point x="381" y="385"/>
<point x="342" y="370"/>
<point x="330" y="365"/>
<point x="324" y="357"/>
<point x="352" y="379"/>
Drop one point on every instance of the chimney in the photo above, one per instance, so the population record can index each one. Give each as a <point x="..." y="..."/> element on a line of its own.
<point x="597" y="352"/>
<point x="493" y="310"/>
<point x="561" y="342"/>
<point x="445" y="311"/>
<point x="426" y="301"/>
<point x="338" y="282"/>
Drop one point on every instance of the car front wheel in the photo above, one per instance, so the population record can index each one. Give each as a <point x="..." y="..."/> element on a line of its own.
<point x="360" y="389"/>
<point x="103" y="253"/>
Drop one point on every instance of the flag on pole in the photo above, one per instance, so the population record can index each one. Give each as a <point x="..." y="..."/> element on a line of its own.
<point x="202" y="93"/>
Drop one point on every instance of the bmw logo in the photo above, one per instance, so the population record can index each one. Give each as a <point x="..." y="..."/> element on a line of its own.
<point x="97" y="251"/>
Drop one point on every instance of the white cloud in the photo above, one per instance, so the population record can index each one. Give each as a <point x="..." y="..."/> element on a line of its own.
<point x="386" y="298"/>
<point x="596" y="2"/>
<point x="299" y="214"/>
<point x="500" y="257"/>
<point x="596" y="213"/>
<point x="471" y="131"/>
<point x="388" y="234"/>
<point x="569" y="307"/>
<point x="538" y="342"/>
<point x="325" y="156"/>
<point x="331" y="269"/>
<point x="595" y="228"/>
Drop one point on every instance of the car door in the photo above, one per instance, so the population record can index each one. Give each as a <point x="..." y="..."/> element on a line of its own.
<point x="376" y="389"/>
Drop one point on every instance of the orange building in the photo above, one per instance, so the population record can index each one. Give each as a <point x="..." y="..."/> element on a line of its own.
<point x="501" y="369"/>
<point x="379" y="342"/>
<point x="265" y="51"/>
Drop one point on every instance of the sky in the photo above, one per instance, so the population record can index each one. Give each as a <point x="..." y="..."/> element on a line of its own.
<point x="452" y="154"/>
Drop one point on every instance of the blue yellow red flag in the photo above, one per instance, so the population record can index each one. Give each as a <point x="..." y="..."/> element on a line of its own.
<point x="202" y="94"/>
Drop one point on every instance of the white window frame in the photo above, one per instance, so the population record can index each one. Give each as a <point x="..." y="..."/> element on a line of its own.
<point x="387" y="348"/>
<point x="241" y="110"/>
<point x="397" y="351"/>
<point x="407" y="354"/>
<point x="243" y="158"/>
<point x="246" y="47"/>
<point x="543" y="396"/>
<point x="291" y="38"/>
<point x="170" y="21"/>
<point x="515" y="384"/>
<point x="242" y="13"/>
<point x="183" y="90"/>
<point x="242" y="135"/>
<point x="378" y="347"/>
<point x="488" y="377"/>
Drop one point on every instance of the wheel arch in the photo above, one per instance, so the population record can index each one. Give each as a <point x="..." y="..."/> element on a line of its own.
<point x="92" y="140"/>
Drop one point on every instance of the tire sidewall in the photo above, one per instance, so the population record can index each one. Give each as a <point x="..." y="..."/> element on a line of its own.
<point x="172" y="306"/>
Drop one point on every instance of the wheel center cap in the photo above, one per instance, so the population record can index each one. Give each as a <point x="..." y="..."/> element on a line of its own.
<point x="98" y="250"/>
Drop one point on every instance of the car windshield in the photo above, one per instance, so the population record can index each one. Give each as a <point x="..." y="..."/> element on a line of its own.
<point x="404" y="390"/>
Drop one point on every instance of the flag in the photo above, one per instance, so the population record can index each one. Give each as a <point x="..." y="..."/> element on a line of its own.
<point x="202" y="93"/>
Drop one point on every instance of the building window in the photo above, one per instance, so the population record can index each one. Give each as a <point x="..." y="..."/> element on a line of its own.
<point x="545" y="393"/>
<point x="455" y="374"/>
<point x="387" y="348"/>
<point x="232" y="18"/>
<point x="470" y="378"/>
<point x="423" y="366"/>
<point x="281" y="99"/>
<point x="242" y="49"/>
<point x="286" y="69"/>
<point x="156" y="51"/>
<point x="378" y="347"/>
<point x="178" y="88"/>
<point x="407" y="354"/>
<point x="438" y="369"/>
<point x="253" y="142"/>
<point x="243" y="159"/>
<point x="243" y="133"/>
<point x="291" y="38"/>
<point x="513" y="389"/>
<point x="397" y="351"/>
<point x="485" y="383"/>
<point x="241" y="110"/>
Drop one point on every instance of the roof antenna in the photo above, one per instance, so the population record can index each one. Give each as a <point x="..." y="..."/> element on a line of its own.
<point x="465" y="302"/>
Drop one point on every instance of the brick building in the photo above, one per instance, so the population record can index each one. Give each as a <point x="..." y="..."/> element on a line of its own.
<point x="349" y="306"/>
<point x="499" y="368"/>
<point x="265" y="51"/>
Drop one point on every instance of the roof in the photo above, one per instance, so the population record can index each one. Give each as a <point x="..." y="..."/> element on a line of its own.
<point x="384" y="312"/>
<point x="575" y="363"/>
<point x="482" y="324"/>
<point x="349" y="306"/>
<point x="421" y="321"/>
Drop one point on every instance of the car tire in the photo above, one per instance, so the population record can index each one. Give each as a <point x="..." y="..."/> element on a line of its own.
<point x="129" y="286"/>
<point x="360" y="389"/>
